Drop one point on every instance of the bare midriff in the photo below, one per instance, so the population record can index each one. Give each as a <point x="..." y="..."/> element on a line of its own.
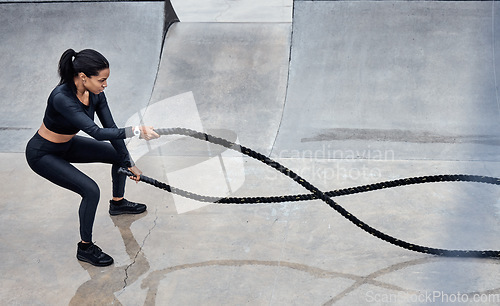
<point x="53" y="136"/>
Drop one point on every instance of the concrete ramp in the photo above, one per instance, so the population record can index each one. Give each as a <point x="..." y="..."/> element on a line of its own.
<point x="237" y="73"/>
<point x="415" y="80"/>
<point x="34" y="35"/>
<point x="224" y="78"/>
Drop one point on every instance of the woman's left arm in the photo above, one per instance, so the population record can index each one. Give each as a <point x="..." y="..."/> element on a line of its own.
<point x="104" y="114"/>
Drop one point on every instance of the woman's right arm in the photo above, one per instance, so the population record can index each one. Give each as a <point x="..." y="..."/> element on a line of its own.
<point x="75" y="114"/>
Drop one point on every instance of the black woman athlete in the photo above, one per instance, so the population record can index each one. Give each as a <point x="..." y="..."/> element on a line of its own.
<point x="70" y="108"/>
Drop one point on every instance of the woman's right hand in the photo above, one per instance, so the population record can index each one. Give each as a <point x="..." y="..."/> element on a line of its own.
<point x="148" y="133"/>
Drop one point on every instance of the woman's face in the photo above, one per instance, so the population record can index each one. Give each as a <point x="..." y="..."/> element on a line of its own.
<point x="97" y="83"/>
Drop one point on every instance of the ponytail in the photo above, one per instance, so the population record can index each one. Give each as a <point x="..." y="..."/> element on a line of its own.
<point x="66" y="69"/>
<point x="88" y="61"/>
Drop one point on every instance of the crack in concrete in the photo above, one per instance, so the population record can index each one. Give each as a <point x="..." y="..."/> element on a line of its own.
<point x="139" y="250"/>
<point x="152" y="281"/>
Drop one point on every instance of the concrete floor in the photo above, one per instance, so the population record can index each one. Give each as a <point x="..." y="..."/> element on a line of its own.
<point x="343" y="93"/>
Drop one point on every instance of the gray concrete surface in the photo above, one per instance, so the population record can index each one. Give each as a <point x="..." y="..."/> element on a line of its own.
<point x="414" y="77"/>
<point x="349" y="93"/>
<point x="35" y="35"/>
<point x="220" y="11"/>
<point x="236" y="73"/>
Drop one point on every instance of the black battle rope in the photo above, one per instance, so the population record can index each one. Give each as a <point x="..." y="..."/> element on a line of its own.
<point x="318" y="194"/>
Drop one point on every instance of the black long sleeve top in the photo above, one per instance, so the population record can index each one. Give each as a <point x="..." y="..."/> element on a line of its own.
<point x="65" y="114"/>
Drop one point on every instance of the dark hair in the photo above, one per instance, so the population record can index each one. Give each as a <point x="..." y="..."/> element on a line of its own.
<point x="87" y="61"/>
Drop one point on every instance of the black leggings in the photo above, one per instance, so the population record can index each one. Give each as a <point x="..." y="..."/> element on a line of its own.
<point x="52" y="161"/>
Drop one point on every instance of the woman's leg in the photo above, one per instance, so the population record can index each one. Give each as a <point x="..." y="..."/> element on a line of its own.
<point x="62" y="173"/>
<point x="89" y="150"/>
<point x="49" y="161"/>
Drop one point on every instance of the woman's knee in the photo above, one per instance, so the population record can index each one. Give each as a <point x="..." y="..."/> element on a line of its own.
<point x="91" y="191"/>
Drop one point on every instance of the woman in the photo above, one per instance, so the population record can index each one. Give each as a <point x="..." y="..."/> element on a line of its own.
<point x="70" y="108"/>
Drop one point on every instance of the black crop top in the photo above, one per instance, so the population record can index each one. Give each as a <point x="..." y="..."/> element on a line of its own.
<point x="65" y="114"/>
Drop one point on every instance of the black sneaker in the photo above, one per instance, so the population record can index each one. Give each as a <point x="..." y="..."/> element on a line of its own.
<point x="93" y="255"/>
<point x="125" y="207"/>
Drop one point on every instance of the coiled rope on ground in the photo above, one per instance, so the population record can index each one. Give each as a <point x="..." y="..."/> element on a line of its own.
<point x="315" y="193"/>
